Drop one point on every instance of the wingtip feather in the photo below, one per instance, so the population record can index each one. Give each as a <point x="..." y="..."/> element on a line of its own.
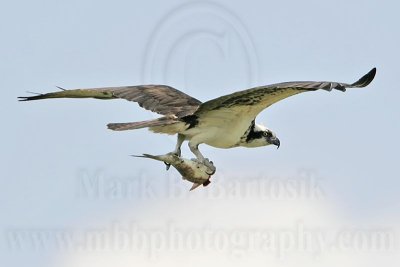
<point x="366" y="79"/>
<point x="29" y="98"/>
<point x="62" y="89"/>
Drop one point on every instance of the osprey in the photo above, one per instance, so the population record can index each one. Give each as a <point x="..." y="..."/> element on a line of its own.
<point x="224" y="122"/>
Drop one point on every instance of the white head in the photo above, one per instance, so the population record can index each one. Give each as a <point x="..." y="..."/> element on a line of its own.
<point x="261" y="136"/>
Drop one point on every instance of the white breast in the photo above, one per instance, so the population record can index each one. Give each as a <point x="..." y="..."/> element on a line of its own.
<point x="220" y="128"/>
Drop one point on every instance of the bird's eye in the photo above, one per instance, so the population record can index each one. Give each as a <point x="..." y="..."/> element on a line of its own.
<point x="268" y="134"/>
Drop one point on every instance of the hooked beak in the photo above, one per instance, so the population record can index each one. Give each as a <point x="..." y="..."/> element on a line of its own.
<point x="275" y="141"/>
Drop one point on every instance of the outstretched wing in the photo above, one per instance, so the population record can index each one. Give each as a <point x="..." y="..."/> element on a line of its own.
<point x="161" y="99"/>
<point x="254" y="100"/>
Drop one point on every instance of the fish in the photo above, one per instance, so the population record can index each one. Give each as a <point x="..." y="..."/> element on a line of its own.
<point x="199" y="173"/>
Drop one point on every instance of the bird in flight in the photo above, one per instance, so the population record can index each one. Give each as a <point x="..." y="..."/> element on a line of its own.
<point x="224" y="122"/>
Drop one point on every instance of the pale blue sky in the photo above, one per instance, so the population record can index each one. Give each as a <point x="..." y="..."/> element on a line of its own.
<point x="350" y="140"/>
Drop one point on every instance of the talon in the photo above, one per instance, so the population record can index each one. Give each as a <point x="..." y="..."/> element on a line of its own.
<point x="176" y="153"/>
<point x="213" y="170"/>
<point x="210" y="166"/>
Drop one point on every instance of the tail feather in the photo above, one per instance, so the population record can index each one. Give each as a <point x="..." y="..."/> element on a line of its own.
<point x="140" y="124"/>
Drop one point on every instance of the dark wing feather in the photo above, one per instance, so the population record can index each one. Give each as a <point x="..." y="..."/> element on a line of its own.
<point x="161" y="99"/>
<point x="259" y="98"/>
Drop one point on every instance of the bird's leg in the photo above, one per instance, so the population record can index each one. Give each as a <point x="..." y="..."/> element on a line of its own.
<point x="195" y="150"/>
<point x="177" y="151"/>
<point x="200" y="158"/>
<point x="180" y="140"/>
